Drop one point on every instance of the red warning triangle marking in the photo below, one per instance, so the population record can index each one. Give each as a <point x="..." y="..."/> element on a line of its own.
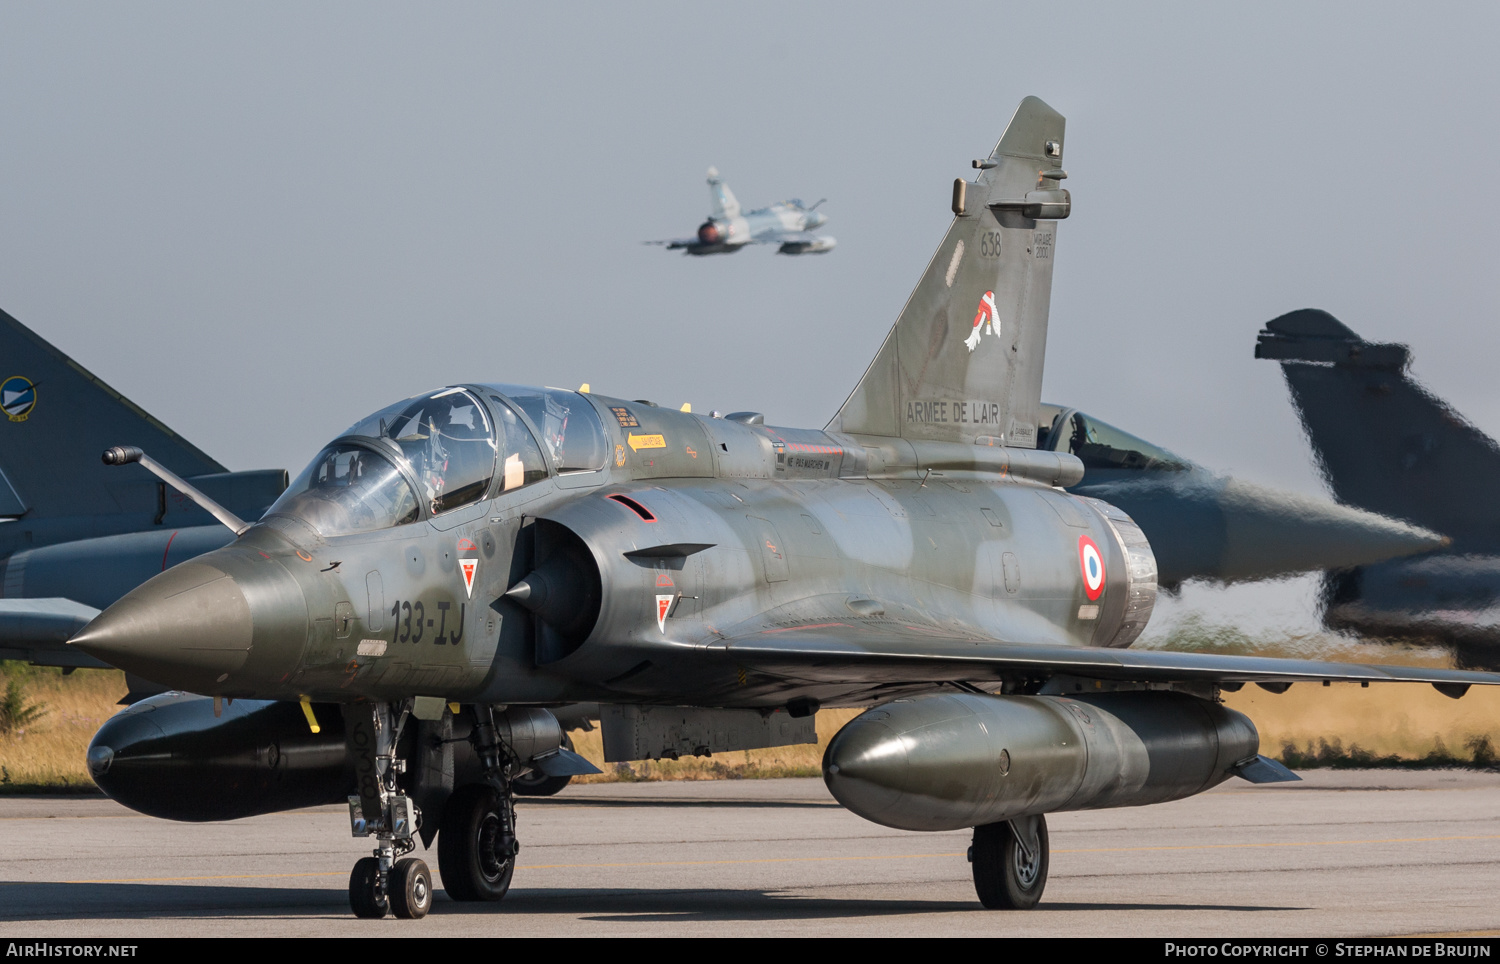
<point x="469" y="567"/>
<point x="663" y="606"/>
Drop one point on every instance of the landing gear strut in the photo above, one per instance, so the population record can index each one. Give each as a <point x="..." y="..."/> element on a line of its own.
<point x="477" y="844"/>
<point x="382" y="883"/>
<point x="1010" y="863"/>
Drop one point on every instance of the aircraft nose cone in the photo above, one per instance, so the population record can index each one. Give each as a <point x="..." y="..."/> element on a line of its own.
<point x="189" y="628"/>
<point x="1269" y="532"/>
<point x="1211" y="527"/>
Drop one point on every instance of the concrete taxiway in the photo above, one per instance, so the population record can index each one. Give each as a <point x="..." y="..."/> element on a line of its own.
<point x="1367" y="853"/>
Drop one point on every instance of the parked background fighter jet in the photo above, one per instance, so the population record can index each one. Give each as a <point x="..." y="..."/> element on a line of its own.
<point x="74" y="534"/>
<point x="1386" y="444"/>
<point x="452" y="565"/>
<point x="788" y="224"/>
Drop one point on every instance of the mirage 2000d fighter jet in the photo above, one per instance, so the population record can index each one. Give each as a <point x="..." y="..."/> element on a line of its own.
<point x="787" y="224"/>
<point x="394" y="630"/>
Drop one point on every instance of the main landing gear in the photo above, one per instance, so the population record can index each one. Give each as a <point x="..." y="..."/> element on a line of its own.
<point x="477" y="845"/>
<point x="1010" y="863"/>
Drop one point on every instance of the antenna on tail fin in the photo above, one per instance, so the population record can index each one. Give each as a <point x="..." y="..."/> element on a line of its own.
<point x="963" y="363"/>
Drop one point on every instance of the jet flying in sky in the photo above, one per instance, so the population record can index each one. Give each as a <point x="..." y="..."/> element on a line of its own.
<point x="786" y="224"/>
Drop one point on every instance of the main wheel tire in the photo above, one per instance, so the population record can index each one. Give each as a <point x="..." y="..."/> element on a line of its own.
<point x="1004" y="877"/>
<point x="410" y="888"/>
<point x="535" y="783"/>
<point x="364" y="889"/>
<point x="469" y="845"/>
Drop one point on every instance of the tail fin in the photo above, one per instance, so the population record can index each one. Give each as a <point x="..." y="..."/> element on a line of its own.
<point x="964" y="360"/>
<point x="726" y="205"/>
<point x="1383" y="442"/>
<point x="57" y="420"/>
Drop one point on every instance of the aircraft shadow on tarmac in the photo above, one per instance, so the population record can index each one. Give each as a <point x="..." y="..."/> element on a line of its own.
<point x="631" y="804"/>
<point x="729" y="905"/>
<point x="59" y="901"/>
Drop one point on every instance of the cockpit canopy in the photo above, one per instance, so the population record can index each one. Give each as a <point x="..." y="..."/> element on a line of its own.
<point x="1100" y="445"/>
<point x="439" y="451"/>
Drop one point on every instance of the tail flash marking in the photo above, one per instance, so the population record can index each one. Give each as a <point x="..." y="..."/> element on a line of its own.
<point x="987" y="317"/>
<point x="958" y="255"/>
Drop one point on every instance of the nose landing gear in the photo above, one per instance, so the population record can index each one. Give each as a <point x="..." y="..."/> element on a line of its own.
<point x="382" y="883"/>
<point x="477" y="843"/>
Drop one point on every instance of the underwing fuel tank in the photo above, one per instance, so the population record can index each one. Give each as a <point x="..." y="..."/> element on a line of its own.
<point x="965" y="760"/>
<point x="169" y="756"/>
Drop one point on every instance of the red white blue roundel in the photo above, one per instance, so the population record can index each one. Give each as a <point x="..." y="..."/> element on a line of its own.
<point x="1092" y="564"/>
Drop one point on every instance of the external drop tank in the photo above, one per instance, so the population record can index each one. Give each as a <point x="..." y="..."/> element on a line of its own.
<point x="178" y="757"/>
<point x="965" y="760"/>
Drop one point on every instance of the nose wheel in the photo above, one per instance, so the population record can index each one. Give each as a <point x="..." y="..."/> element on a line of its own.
<point x="410" y="888"/>
<point x="366" y="895"/>
<point x="1010" y="863"/>
<point x="407" y="892"/>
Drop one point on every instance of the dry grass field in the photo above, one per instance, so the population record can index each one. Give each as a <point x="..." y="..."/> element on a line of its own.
<point x="1342" y="724"/>
<point x="48" y="751"/>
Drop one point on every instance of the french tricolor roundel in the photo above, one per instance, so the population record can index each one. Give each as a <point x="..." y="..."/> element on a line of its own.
<point x="1092" y="563"/>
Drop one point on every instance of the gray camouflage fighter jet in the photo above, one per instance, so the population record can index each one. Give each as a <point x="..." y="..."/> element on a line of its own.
<point x="787" y="224"/>
<point x="394" y="629"/>
<point x="1386" y="444"/>
<point x="84" y="535"/>
<point x="1212" y="527"/>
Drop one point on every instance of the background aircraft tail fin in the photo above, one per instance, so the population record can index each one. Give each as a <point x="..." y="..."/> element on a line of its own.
<point x="726" y="205"/>
<point x="1382" y="441"/>
<point x="56" y="418"/>
<point x="964" y="360"/>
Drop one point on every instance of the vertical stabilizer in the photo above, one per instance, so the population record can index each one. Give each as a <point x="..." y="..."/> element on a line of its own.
<point x="1383" y="442"/>
<point x="57" y="418"/>
<point x="726" y="205"/>
<point x="963" y="363"/>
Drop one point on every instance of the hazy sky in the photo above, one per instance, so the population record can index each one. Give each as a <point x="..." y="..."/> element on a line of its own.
<point x="262" y="222"/>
